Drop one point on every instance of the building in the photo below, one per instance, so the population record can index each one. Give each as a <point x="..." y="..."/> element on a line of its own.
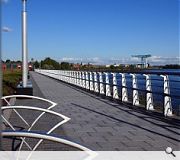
<point x="14" y="66"/>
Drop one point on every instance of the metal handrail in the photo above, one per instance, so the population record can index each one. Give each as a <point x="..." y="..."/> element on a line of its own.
<point x="29" y="133"/>
<point x="43" y="136"/>
<point x="76" y="78"/>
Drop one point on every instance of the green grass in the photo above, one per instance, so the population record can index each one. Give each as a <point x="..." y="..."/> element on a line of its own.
<point x="10" y="81"/>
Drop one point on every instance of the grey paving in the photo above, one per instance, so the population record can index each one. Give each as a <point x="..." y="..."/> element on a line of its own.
<point x="103" y="125"/>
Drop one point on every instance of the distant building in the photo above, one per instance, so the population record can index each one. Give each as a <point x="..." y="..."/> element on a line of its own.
<point x="76" y="66"/>
<point x="14" y="66"/>
<point x="127" y="65"/>
<point x="142" y="65"/>
<point x="139" y="65"/>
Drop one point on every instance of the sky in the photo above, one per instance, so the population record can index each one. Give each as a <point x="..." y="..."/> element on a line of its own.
<point x="96" y="31"/>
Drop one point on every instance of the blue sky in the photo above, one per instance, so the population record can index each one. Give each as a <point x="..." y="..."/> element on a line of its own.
<point x="101" y="31"/>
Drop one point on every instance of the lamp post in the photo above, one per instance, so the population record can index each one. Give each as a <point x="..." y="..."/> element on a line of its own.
<point x="24" y="45"/>
<point x="24" y="88"/>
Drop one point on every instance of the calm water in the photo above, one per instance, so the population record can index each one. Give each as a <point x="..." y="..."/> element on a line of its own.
<point x="157" y="86"/>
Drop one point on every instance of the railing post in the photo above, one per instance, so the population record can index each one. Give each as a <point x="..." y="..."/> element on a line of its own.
<point x="69" y="77"/>
<point x="87" y="80"/>
<point x="115" y="89"/>
<point x="71" y="74"/>
<point x="56" y="72"/>
<point x="74" y="77"/>
<point x="52" y="74"/>
<point x="91" y="82"/>
<point x="149" y="96"/>
<point x="124" y="88"/>
<point x="101" y="85"/>
<point x="65" y="76"/>
<point x="61" y="75"/>
<point x="83" y="80"/>
<point x="108" y="91"/>
<point x="167" y="98"/>
<point x="135" y="91"/>
<point x="96" y="88"/>
<point x="79" y="79"/>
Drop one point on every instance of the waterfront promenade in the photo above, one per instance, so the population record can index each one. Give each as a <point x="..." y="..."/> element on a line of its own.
<point x="101" y="124"/>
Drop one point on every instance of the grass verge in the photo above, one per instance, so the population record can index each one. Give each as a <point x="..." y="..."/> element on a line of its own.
<point x="10" y="81"/>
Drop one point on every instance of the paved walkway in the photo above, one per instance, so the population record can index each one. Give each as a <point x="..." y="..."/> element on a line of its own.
<point x="104" y="125"/>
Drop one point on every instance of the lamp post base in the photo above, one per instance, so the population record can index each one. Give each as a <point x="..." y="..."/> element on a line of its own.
<point x="20" y="90"/>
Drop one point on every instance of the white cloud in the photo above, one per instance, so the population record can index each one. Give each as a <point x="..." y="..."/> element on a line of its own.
<point x="4" y="1"/>
<point x="6" y="29"/>
<point x="94" y="60"/>
<point x="154" y="60"/>
<point x="159" y="60"/>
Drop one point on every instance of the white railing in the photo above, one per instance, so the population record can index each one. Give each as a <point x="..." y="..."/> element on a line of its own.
<point x="99" y="82"/>
<point x="27" y="132"/>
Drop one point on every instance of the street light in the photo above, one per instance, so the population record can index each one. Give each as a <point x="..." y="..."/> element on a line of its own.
<point x="24" y="45"/>
<point x="24" y="88"/>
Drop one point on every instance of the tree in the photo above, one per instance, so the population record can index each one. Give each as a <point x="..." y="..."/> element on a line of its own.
<point x="120" y="67"/>
<point x="51" y="63"/>
<point x="171" y="66"/>
<point x="46" y="66"/>
<point x="65" y="66"/>
<point x="112" y="67"/>
<point x="18" y="61"/>
<point x="8" y="61"/>
<point x="36" y="64"/>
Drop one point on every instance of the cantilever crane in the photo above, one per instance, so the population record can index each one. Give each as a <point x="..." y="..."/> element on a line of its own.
<point x="143" y="59"/>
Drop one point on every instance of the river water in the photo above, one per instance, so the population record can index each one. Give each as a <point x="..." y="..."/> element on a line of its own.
<point x="157" y="86"/>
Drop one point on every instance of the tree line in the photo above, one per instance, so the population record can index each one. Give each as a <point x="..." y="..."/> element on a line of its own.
<point x="49" y="63"/>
